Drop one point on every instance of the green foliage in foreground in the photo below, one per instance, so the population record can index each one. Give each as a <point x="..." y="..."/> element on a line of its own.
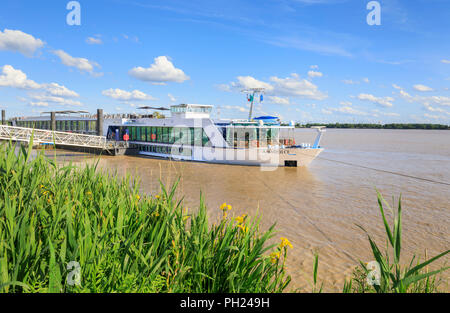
<point x="52" y="215"/>
<point x="393" y="278"/>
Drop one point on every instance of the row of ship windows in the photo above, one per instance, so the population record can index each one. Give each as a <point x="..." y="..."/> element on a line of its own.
<point x="182" y="151"/>
<point x="179" y="135"/>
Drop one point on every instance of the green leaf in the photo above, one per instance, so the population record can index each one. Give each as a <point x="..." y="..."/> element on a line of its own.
<point x="418" y="267"/>
<point x="412" y="279"/>
<point x="386" y="225"/>
<point x="54" y="275"/>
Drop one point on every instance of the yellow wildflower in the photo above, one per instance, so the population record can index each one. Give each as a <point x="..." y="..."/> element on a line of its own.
<point x="274" y="256"/>
<point x="223" y="206"/>
<point x="243" y="228"/>
<point x="285" y="242"/>
<point x="157" y="196"/>
<point x="138" y="197"/>
<point x="240" y="219"/>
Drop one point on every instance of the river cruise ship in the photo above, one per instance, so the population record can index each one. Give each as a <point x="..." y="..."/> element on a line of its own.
<point x="190" y="134"/>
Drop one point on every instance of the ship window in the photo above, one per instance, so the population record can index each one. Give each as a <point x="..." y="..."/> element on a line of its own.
<point x="133" y="133"/>
<point x="176" y="135"/>
<point x="205" y="139"/>
<point x="191" y="136"/>
<point x="171" y="137"/>
<point x="165" y="135"/>
<point x="184" y="134"/>
<point x="198" y="136"/>
<point x="158" y="134"/>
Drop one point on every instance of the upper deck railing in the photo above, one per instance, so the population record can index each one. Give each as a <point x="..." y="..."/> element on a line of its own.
<point x="55" y="137"/>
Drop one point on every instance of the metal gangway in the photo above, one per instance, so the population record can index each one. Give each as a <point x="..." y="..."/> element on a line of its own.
<point x="42" y="136"/>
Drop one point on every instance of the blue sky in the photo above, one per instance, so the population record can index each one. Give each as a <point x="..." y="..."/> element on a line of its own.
<point x="319" y="60"/>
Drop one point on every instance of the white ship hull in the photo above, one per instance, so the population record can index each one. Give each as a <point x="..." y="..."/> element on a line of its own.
<point x="251" y="156"/>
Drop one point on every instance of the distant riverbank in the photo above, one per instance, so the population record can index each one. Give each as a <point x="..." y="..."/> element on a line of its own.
<point x="378" y="126"/>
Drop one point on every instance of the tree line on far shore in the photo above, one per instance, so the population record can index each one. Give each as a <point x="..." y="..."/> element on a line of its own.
<point x="376" y="126"/>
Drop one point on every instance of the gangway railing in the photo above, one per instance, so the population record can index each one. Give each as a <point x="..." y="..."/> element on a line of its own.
<point x="24" y="134"/>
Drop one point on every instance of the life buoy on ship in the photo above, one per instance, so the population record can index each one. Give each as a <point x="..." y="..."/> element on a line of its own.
<point x="126" y="137"/>
<point x="153" y="136"/>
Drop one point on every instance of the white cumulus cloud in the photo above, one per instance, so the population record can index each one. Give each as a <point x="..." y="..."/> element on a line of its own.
<point x="314" y="74"/>
<point x="292" y="86"/>
<point x="18" y="41"/>
<point x="83" y="64"/>
<point x="247" y="82"/>
<point x="348" y="110"/>
<point x="11" y="77"/>
<point x="57" y="90"/>
<point x="43" y="99"/>
<point x="123" y="95"/>
<point x="161" y="71"/>
<point x="94" y="41"/>
<point x="41" y="94"/>
<point x="384" y="101"/>
<point x="422" y="88"/>
<point x="296" y="87"/>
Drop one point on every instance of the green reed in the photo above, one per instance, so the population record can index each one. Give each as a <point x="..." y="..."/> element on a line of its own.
<point x="51" y="215"/>
<point x="393" y="277"/>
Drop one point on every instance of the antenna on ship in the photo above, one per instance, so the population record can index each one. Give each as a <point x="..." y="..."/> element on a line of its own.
<point x="251" y="94"/>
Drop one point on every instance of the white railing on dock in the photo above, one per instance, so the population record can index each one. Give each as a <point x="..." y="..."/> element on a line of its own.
<point x="54" y="137"/>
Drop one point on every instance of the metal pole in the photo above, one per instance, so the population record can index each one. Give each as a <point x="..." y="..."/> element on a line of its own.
<point x="251" y="107"/>
<point x="3" y="117"/>
<point x="53" y="121"/>
<point x="99" y="122"/>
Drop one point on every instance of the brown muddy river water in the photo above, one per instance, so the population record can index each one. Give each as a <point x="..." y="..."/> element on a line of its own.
<point x="317" y="207"/>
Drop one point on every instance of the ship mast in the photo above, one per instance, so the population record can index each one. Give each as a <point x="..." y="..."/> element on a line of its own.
<point x="251" y="94"/>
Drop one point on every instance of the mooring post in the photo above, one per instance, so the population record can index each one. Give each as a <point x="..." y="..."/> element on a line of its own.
<point x="53" y="121"/>
<point x="3" y="117"/>
<point x="99" y="122"/>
